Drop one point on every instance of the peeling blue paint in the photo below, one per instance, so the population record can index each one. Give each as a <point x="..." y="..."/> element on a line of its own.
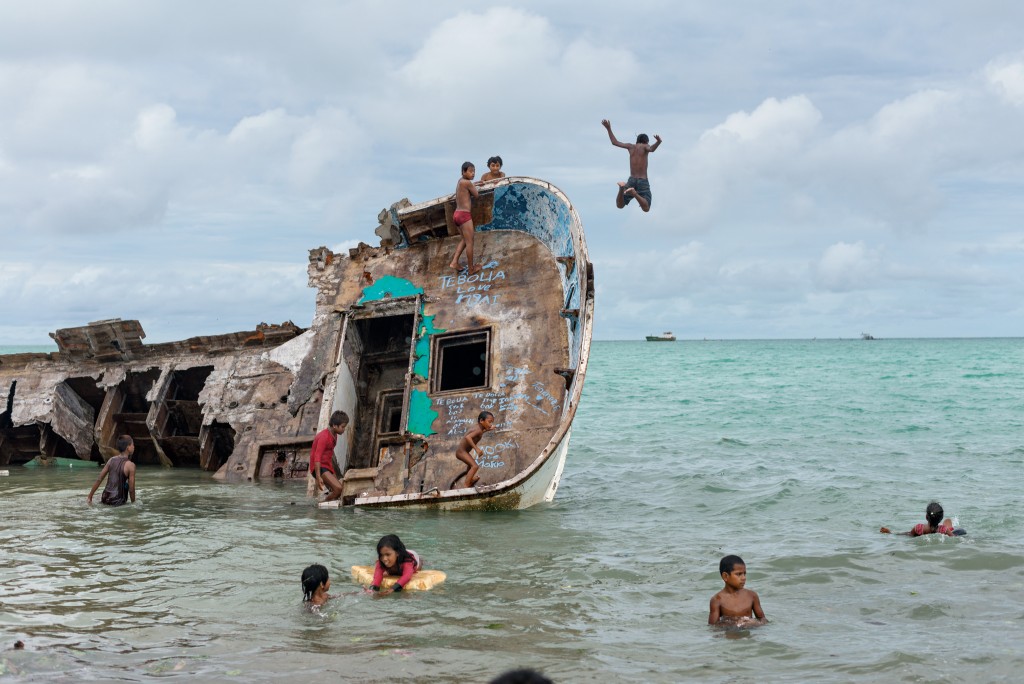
<point x="534" y="210"/>
<point x="421" y="415"/>
<point x="422" y="365"/>
<point x="389" y="286"/>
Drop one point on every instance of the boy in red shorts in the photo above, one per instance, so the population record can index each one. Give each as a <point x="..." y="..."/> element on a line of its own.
<point x="465" y="190"/>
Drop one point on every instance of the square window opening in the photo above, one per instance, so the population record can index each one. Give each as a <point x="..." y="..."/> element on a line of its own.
<point x="462" y="361"/>
<point x="390" y="413"/>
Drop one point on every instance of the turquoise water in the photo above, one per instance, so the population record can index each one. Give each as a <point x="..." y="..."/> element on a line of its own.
<point x="789" y="453"/>
<point x="26" y="348"/>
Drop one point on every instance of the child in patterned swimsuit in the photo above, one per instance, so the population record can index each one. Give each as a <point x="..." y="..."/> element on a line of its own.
<point x="933" y="514"/>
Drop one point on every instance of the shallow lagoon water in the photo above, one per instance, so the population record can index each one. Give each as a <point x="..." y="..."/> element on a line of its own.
<point x="790" y="453"/>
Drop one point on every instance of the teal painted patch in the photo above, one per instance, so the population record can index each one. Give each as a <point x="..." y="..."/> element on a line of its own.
<point x="421" y="415"/>
<point x="389" y="286"/>
<point x="422" y="365"/>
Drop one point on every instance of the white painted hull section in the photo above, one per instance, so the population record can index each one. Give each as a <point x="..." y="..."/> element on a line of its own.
<point x="540" y="486"/>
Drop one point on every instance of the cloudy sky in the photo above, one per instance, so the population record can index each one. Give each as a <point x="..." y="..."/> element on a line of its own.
<point x="827" y="168"/>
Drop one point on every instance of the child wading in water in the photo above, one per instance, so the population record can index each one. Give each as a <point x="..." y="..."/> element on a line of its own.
<point x="396" y="561"/>
<point x="465" y="191"/>
<point x="734" y="604"/>
<point x="120" y="474"/>
<point x="468" y="444"/>
<point x="315" y="584"/>
<point x="494" y="171"/>
<point x="933" y="514"/>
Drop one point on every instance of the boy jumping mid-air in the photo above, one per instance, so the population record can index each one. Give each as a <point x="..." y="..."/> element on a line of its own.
<point x="464" y="192"/>
<point x="637" y="187"/>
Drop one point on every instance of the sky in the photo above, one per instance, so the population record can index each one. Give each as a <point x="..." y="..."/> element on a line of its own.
<point x="827" y="169"/>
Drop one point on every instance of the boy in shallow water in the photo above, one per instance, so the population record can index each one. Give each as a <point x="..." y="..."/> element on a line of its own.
<point x="735" y="605"/>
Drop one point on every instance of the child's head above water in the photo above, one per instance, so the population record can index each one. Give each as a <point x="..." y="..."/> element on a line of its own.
<point x="313" y="578"/>
<point x="933" y="514"/>
<point x="391" y="552"/>
<point x="733" y="571"/>
<point x="727" y="564"/>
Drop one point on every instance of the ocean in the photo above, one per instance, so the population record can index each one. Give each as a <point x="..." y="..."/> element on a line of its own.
<point x="790" y="454"/>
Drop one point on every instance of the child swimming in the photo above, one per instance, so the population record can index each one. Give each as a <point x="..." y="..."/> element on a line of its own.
<point x="933" y="515"/>
<point x="734" y="604"/>
<point x="395" y="560"/>
<point x="315" y="583"/>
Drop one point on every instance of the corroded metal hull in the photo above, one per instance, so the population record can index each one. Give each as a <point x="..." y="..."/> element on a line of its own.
<point x="411" y="350"/>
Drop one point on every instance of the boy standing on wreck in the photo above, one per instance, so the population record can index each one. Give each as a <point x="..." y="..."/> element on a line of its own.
<point x="637" y="187"/>
<point x="465" y="191"/>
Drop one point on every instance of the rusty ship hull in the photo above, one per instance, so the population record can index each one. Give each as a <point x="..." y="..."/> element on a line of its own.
<point x="410" y="349"/>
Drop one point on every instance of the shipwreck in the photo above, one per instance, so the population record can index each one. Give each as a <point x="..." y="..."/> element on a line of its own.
<point x="411" y="349"/>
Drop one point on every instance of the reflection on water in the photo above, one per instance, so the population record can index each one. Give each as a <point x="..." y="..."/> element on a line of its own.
<point x="611" y="581"/>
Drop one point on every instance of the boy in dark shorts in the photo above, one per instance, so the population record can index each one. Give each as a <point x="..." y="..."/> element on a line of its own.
<point x="465" y="191"/>
<point x="637" y="187"/>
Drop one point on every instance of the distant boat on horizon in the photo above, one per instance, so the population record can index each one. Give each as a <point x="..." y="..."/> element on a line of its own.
<point x="867" y="336"/>
<point x="663" y="337"/>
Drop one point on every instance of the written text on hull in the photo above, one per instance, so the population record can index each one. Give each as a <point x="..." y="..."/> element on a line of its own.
<point x="410" y="349"/>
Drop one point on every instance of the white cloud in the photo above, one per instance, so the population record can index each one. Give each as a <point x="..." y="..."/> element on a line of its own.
<point x="496" y="75"/>
<point x="1006" y="77"/>
<point x="796" y="145"/>
<point x="844" y="267"/>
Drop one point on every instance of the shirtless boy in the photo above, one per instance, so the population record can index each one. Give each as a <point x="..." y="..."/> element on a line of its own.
<point x="464" y="192"/>
<point x="468" y="444"/>
<point x="637" y="187"/>
<point x="734" y="604"/>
